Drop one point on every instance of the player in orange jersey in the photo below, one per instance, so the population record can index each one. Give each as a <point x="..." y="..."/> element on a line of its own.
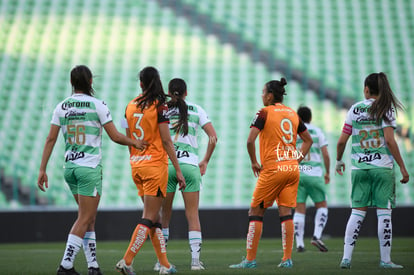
<point x="146" y="119"/>
<point x="277" y="126"/>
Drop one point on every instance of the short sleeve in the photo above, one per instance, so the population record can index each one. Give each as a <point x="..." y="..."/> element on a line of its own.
<point x="259" y="120"/>
<point x="124" y="123"/>
<point x="103" y="112"/>
<point x="322" y="139"/>
<point x="163" y="114"/>
<point x="392" y="120"/>
<point x="202" y="116"/>
<point x="55" y="117"/>
<point x="301" y="127"/>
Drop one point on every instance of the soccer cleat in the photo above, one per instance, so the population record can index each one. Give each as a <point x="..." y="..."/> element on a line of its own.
<point x="94" y="271"/>
<point x="157" y="266"/>
<point x="63" y="271"/>
<point x="345" y="264"/>
<point x="319" y="244"/>
<point x="197" y="265"/>
<point x="165" y="270"/>
<point x="245" y="264"/>
<point x="390" y="265"/>
<point x="286" y="264"/>
<point x="125" y="269"/>
<point x="300" y="249"/>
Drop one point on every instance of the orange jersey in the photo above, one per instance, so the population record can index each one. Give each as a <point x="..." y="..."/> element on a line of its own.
<point x="279" y="126"/>
<point x="143" y="125"/>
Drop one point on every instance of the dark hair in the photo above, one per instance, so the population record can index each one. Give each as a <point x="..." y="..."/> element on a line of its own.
<point x="386" y="101"/>
<point x="176" y="89"/>
<point x="277" y="89"/>
<point x="81" y="77"/>
<point x="151" y="87"/>
<point x="305" y="114"/>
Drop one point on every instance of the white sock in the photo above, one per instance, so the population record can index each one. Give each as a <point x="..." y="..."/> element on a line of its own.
<point x="73" y="245"/>
<point x="166" y="233"/>
<point x="195" y="240"/>
<point x="321" y="217"/>
<point x="299" y="222"/>
<point x="89" y="247"/>
<point x="385" y="233"/>
<point x="352" y="231"/>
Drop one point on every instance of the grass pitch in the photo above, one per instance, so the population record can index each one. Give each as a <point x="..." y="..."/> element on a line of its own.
<point x="217" y="255"/>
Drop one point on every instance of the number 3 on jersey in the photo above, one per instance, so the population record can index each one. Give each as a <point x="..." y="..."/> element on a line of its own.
<point x="138" y="132"/>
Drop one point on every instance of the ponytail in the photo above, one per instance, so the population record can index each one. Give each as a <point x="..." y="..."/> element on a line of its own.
<point x="386" y="101"/>
<point x="176" y="89"/>
<point x="152" y="88"/>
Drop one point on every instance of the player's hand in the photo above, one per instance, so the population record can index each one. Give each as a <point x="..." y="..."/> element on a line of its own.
<point x="140" y="144"/>
<point x="42" y="181"/>
<point x="203" y="167"/>
<point x="181" y="180"/>
<point x="340" y="167"/>
<point x="405" y="175"/>
<point x="327" y="178"/>
<point x="256" y="167"/>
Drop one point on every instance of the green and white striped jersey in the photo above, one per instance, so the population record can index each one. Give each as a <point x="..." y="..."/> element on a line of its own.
<point x="81" y="118"/>
<point x="312" y="164"/>
<point x="186" y="147"/>
<point x="369" y="149"/>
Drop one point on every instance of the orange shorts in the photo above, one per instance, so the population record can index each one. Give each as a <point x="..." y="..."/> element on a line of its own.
<point x="280" y="184"/>
<point x="150" y="180"/>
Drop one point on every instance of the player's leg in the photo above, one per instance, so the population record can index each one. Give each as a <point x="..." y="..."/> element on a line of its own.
<point x="299" y="223"/>
<point x="384" y="197"/>
<point x="300" y="214"/>
<point x="318" y="195"/>
<point x="286" y="201"/>
<point x="82" y="182"/>
<point x="191" y="201"/>
<point x="360" y="202"/>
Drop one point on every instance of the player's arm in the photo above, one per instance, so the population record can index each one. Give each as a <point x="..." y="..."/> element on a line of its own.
<point x="326" y="162"/>
<point x="42" y="180"/>
<point x="395" y="151"/>
<point x="306" y="145"/>
<point x="251" y="150"/>
<point x="340" y="148"/>
<point x="169" y="148"/>
<point x="119" y="138"/>
<point x="212" y="141"/>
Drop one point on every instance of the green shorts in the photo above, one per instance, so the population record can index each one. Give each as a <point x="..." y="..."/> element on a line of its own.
<point x="84" y="181"/>
<point x="314" y="187"/>
<point x="191" y="174"/>
<point x="373" y="188"/>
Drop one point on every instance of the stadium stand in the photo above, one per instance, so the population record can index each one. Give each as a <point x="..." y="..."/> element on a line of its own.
<point x="225" y="50"/>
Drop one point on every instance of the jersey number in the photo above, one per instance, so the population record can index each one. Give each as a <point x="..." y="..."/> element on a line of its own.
<point x="76" y="134"/>
<point x="138" y="133"/>
<point x="288" y="137"/>
<point x="365" y="144"/>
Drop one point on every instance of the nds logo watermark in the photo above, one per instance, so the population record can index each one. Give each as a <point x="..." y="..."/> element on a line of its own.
<point x="292" y="168"/>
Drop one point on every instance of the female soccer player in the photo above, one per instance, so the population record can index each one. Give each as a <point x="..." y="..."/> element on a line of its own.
<point x="146" y="118"/>
<point x="312" y="184"/>
<point x="278" y="127"/>
<point x="371" y="124"/>
<point x="185" y="119"/>
<point x="81" y="118"/>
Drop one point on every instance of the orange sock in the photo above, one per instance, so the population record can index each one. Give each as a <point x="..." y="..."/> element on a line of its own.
<point x="158" y="242"/>
<point x="253" y="236"/>
<point x="137" y="240"/>
<point x="287" y="236"/>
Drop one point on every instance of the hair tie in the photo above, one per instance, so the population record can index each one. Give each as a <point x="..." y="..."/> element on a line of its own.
<point x="176" y="93"/>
